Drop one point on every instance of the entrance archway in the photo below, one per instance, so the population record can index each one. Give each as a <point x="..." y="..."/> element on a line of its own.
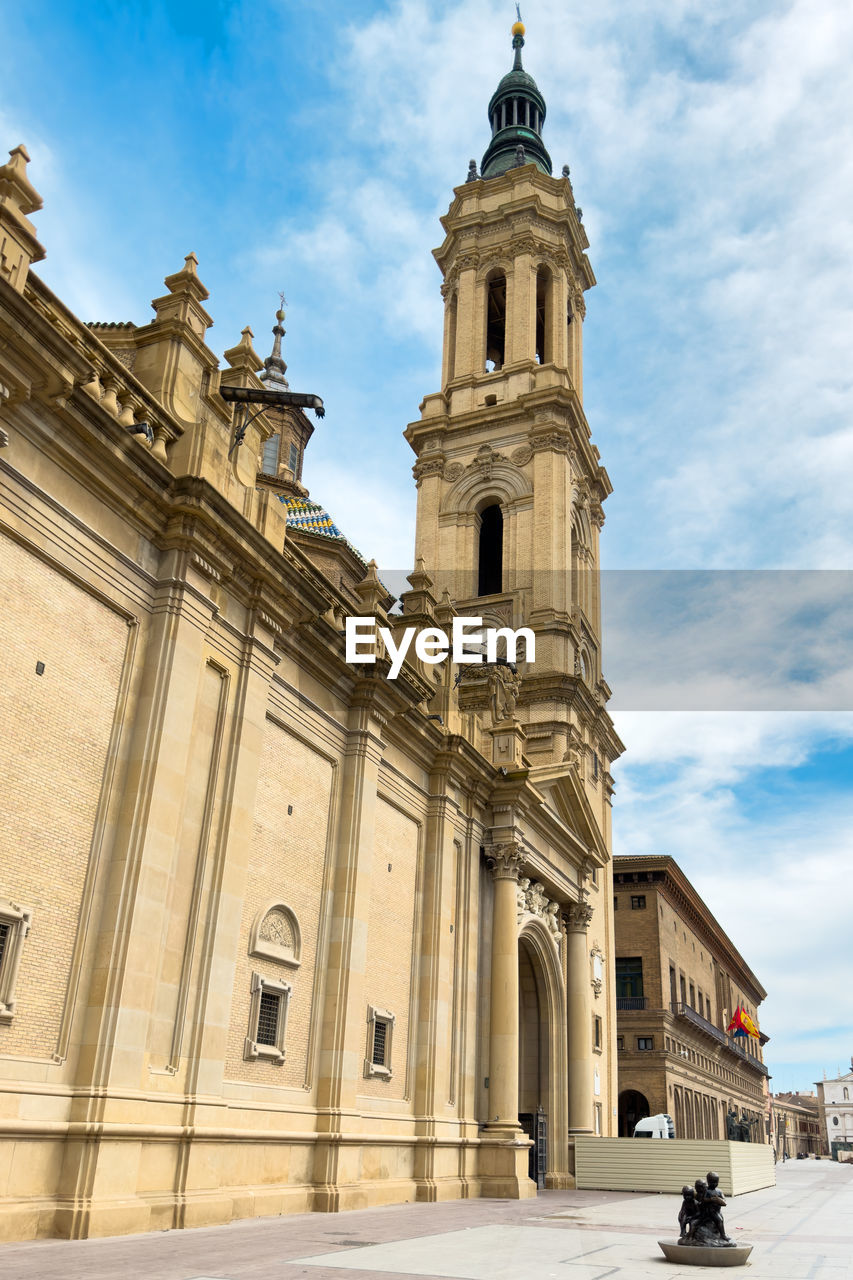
<point x="542" y="1070"/>
<point x="633" y="1106"/>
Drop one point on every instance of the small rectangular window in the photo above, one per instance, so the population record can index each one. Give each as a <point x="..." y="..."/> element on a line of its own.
<point x="615" y="903"/>
<point x="596" y="1032"/>
<point x="294" y="457"/>
<point x="380" y="1043"/>
<point x="645" y="1042"/>
<point x="269" y="460"/>
<point x="620" y="1042"/>
<point x="638" y="902"/>
<point x="267" y="1020"/>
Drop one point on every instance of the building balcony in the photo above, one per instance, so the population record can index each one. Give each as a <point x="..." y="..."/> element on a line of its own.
<point x="628" y="1004"/>
<point x="728" y="1042"/>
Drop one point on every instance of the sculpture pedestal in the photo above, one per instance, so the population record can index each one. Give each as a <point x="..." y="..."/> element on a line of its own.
<point x="701" y="1255"/>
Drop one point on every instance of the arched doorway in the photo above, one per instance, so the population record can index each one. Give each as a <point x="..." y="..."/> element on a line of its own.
<point x="542" y="1070"/>
<point x="633" y="1106"/>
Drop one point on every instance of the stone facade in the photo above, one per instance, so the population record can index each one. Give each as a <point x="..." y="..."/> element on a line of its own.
<point x="795" y="1125"/>
<point x="273" y="925"/>
<point x="679" y="980"/>
<point x="835" y="1101"/>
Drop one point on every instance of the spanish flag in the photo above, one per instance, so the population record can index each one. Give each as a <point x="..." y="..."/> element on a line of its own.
<point x="742" y="1025"/>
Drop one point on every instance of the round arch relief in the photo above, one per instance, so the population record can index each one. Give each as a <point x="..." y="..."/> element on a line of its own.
<point x="489" y="476"/>
<point x="276" y="935"/>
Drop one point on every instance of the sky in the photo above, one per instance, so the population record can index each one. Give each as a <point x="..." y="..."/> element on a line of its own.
<point x="312" y="149"/>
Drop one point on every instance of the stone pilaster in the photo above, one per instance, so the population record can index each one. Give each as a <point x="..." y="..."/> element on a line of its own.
<point x="342" y="1035"/>
<point x="577" y="917"/>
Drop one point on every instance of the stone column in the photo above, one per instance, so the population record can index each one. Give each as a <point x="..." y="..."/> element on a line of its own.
<point x="503" y="1025"/>
<point x="577" y="917"/>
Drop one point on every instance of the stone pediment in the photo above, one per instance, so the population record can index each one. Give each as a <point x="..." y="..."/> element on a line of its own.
<point x="565" y="796"/>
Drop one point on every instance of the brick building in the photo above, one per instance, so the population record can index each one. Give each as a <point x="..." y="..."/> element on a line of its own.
<point x="277" y="932"/>
<point x="795" y="1125"/>
<point x="679" y="979"/>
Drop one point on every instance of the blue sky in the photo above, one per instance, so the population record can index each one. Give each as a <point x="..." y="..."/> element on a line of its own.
<point x="312" y="148"/>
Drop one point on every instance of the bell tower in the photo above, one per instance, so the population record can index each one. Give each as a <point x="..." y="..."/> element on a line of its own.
<point x="510" y="487"/>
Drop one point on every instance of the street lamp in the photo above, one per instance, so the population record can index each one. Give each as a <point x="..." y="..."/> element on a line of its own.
<point x="267" y="398"/>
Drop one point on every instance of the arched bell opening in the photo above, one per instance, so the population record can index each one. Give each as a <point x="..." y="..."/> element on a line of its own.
<point x="495" y="321"/>
<point x="544" y="319"/>
<point x="490" y="551"/>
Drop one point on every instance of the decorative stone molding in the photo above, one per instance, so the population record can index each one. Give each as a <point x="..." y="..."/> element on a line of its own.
<point x="533" y="900"/>
<point x="597" y="959"/>
<point x="505" y="860"/>
<point x="276" y="936"/>
<point x="556" y="441"/>
<point x="206" y="569"/>
<point x="15" y="921"/>
<point x="522" y="455"/>
<point x="452" y="471"/>
<point x="577" y="916"/>
<point x="433" y="467"/>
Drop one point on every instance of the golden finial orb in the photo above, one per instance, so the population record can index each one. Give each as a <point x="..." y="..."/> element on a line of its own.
<point x="518" y="28"/>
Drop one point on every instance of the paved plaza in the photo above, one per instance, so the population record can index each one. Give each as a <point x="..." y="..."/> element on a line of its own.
<point x="801" y="1229"/>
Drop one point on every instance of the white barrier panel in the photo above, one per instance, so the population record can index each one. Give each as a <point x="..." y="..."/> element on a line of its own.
<point x="652" y="1164"/>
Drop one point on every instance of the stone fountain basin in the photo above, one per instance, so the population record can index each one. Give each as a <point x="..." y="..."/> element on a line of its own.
<point x="701" y="1255"/>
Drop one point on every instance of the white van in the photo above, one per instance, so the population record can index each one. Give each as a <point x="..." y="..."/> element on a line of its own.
<point x="655" y="1127"/>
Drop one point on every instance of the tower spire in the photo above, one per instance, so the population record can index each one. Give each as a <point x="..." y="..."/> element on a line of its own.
<point x="516" y="114"/>
<point x="274" y="366"/>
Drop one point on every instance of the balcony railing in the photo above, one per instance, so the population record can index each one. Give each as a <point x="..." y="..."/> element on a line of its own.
<point x="627" y="1004"/>
<point x="684" y="1011"/>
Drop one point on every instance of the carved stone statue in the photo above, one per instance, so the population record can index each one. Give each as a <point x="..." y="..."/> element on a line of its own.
<point x="504" y="685"/>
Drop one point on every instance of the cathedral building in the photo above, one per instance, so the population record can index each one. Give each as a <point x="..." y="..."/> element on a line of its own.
<point x="277" y="932"/>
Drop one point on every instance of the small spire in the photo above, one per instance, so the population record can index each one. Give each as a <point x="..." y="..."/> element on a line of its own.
<point x="518" y="30"/>
<point x="274" y="366"/>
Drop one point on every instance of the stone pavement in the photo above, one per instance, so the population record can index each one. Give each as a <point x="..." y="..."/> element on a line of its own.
<point x="802" y="1229"/>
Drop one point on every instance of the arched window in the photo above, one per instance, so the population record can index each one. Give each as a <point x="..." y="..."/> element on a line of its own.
<point x="490" y="561"/>
<point x="496" y="321"/>
<point x="544" y="354"/>
<point x="846" y="1094"/>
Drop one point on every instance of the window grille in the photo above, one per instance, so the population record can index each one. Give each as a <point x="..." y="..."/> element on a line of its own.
<point x="638" y="902"/>
<point x="380" y="1043"/>
<point x="5" y="928"/>
<point x="267" y="1020"/>
<point x="294" y="457"/>
<point x="268" y="1017"/>
<point x="380" y="1035"/>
